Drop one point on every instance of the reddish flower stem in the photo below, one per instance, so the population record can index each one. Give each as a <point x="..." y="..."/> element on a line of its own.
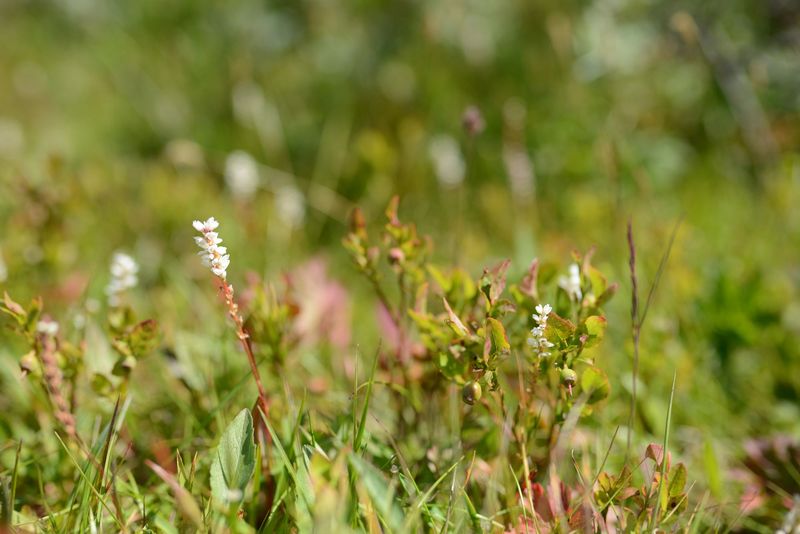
<point x="226" y="290"/>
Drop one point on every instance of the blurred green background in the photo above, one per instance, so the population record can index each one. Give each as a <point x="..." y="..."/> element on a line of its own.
<point x="509" y="129"/>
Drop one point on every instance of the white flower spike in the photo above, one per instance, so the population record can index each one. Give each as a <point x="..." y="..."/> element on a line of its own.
<point x="217" y="259"/>
<point x="214" y="256"/>
<point x="572" y="283"/>
<point x="47" y="327"/>
<point x="124" y="276"/>
<point x="537" y="340"/>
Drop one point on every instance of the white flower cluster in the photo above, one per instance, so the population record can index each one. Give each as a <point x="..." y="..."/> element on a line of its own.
<point x="3" y="269"/>
<point x="572" y="283"/>
<point x="214" y="256"/>
<point x="290" y="205"/>
<point x="47" y="327"/>
<point x="241" y="174"/>
<point x="448" y="162"/>
<point x="537" y="339"/>
<point x="124" y="271"/>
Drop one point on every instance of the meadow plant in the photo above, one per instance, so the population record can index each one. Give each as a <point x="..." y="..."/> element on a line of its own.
<point x="489" y="382"/>
<point x="217" y="259"/>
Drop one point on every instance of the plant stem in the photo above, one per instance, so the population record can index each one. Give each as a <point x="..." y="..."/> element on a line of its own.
<point x="244" y="339"/>
<point x="636" y="329"/>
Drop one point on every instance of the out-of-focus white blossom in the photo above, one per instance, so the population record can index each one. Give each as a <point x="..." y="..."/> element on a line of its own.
<point x="232" y="495"/>
<point x="3" y="269"/>
<point x="92" y="305"/>
<point x="537" y="340"/>
<point x="290" y="205"/>
<point x="519" y="168"/>
<point x="572" y="283"/>
<point x="47" y="327"/>
<point x="12" y="138"/>
<point x="791" y="523"/>
<point x="185" y="153"/>
<point x="241" y="174"/>
<point x="448" y="163"/>
<point x="79" y="321"/>
<point x="397" y="81"/>
<point x="124" y="276"/>
<point x="214" y="256"/>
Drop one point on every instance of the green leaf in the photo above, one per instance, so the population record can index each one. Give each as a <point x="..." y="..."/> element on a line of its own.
<point x="13" y="308"/>
<point x="6" y="507"/>
<point x="380" y="490"/>
<point x="596" y="328"/>
<point x="597" y="280"/>
<point x="439" y="277"/>
<point x="677" y="480"/>
<point x="235" y="459"/>
<point x="563" y="328"/>
<point x="606" y="295"/>
<point x="143" y="338"/>
<point x="595" y="383"/>
<point x="496" y="337"/>
<point x="184" y="501"/>
<point x="454" y="322"/>
<point x="712" y="469"/>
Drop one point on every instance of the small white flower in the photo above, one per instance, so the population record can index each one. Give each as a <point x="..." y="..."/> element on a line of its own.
<point x="537" y="340"/>
<point x="572" y="283"/>
<point x="214" y="256"/>
<point x="448" y="162"/>
<point x="124" y="276"/>
<point x="290" y="205"/>
<point x="233" y="495"/>
<point x="209" y="225"/>
<point x="3" y="269"/>
<point x="47" y="327"/>
<point x="241" y="174"/>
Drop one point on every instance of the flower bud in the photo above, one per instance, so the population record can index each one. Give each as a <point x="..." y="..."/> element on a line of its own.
<point x="28" y="364"/>
<point x="396" y="256"/>
<point x="568" y="377"/>
<point x="471" y="393"/>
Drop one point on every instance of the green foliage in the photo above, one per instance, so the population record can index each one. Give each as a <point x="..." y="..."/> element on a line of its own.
<point x="234" y="461"/>
<point x="508" y="134"/>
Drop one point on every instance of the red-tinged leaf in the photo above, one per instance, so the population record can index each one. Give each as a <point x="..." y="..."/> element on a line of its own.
<point x="493" y="281"/>
<point x="358" y="225"/>
<point x="454" y="322"/>
<point x="528" y="286"/>
<point x="655" y="452"/>
<point x="496" y="337"/>
<point x="13" y="307"/>
<point x="391" y="211"/>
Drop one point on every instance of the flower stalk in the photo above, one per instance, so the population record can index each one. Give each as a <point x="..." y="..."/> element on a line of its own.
<point x="537" y="339"/>
<point x="53" y="377"/>
<point x="216" y="257"/>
